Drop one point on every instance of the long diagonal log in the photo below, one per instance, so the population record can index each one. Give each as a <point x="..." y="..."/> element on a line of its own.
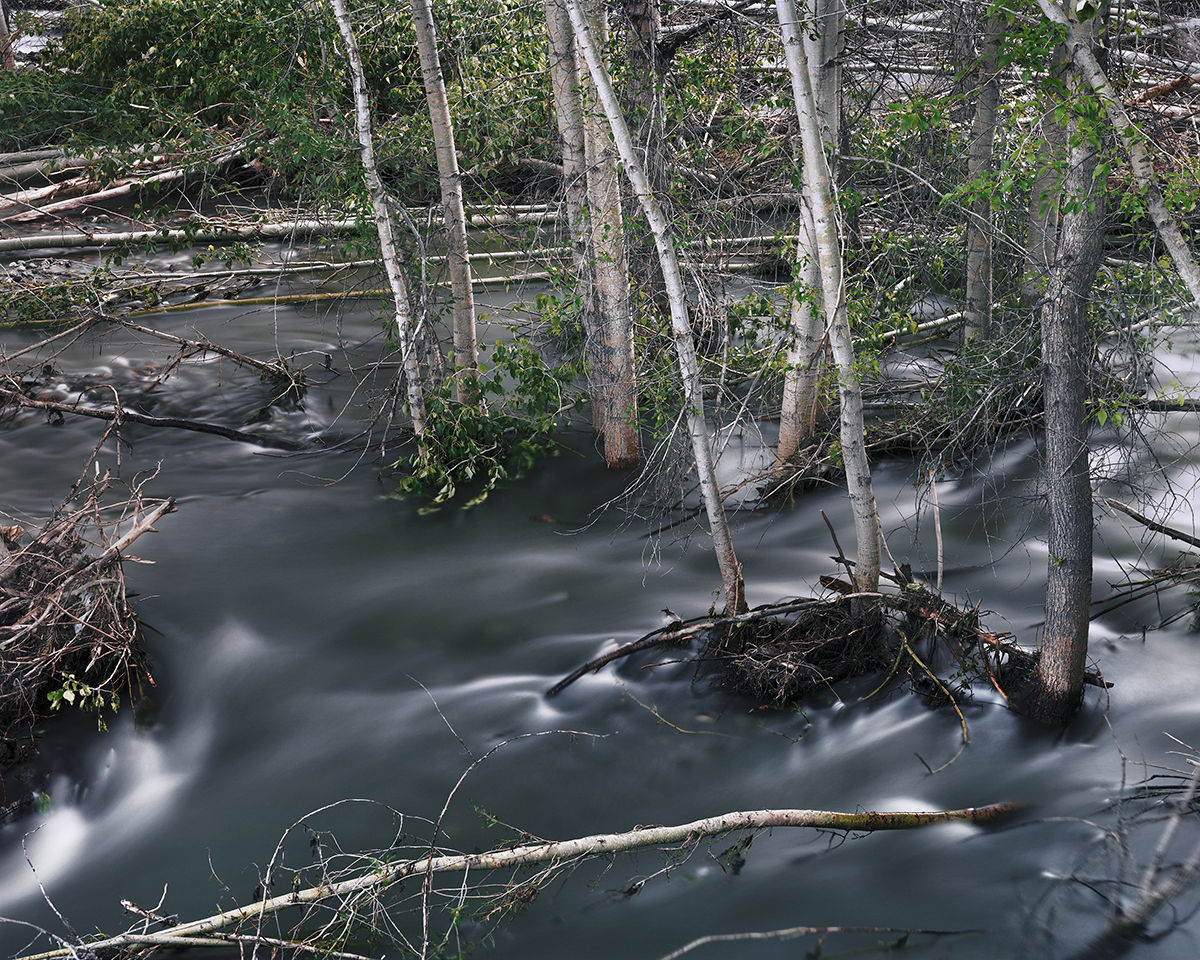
<point x="598" y="845"/>
<point x="128" y="416"/>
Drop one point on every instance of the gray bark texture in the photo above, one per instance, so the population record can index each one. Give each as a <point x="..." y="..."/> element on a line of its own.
<point x="1065" y="366"/>
<point x="612" y="374"/>
<point x="1041" y="235"/>
<point x="979" y="164"/>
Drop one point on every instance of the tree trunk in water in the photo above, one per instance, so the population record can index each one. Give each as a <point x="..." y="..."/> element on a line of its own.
<point x="802" y="408"/>
<point x="833" y="288"/>
<point x="731" y="570"/>
<point x="979" y="164"/>
<point x="613" y="374"/>
<point x="466" y="360"/>
<point x="383" y="224"/>
<point x="620" y="440"/>
<point x="1059" y="687"/>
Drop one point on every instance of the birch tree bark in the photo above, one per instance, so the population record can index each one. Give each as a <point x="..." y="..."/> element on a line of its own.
<point x="380" y="876"/>
<point x="685" y="350"/>
<point x="597" y="247"/>
<point x="802" y="409"/>
<point x="833" y="288"/>
<point x="8" y="60"/>
<point x="1080" y="47"/>
<point x="824" y="47"/>
<point x="1059" y="686"/>
<point x="979" y="164"/>
<point x="383" y="224"/>
<point x="466" y="359"/>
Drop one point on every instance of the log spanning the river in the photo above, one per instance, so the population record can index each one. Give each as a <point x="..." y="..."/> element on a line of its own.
<point x="204" y="932"/>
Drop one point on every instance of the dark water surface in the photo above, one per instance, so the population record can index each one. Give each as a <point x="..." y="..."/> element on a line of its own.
<point x="313" y="642"/>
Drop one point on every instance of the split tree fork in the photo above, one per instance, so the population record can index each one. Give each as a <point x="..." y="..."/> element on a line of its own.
<point x="819" y="196"/>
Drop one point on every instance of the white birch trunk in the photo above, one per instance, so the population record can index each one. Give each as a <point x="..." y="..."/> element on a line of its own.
<point x="820" y="194"/>
<point x="377" y="878"/>
<point x="383" y="223"/>
<point x="825" y="48"/>
<point x="466" y="359"/>
<point x="8" y="60"/>
<point x="731" y="571"/>
<point x="801" y="408"/>
<point x="1079" y="46"/>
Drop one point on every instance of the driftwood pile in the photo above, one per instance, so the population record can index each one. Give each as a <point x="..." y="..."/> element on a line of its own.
<point x="779" y="654"/>
<point x="68" y="633"/>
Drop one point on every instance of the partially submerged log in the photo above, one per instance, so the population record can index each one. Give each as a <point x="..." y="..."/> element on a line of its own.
<point x="366" y="892"/>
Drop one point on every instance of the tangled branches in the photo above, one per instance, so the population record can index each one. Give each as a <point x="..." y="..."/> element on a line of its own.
<point x="67" y="630"/>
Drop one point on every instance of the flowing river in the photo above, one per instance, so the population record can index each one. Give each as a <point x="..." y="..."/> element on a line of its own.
<point x="313" y="642"/>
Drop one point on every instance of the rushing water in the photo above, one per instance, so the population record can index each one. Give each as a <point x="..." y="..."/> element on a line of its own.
<point x="313" y="641"/>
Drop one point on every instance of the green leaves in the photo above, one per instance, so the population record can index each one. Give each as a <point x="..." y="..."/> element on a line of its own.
<point x="467" y="447"/>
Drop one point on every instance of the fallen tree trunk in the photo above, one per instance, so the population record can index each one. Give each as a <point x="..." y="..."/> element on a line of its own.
<point x="380" y="878"/>
<point x="226" y="234"/>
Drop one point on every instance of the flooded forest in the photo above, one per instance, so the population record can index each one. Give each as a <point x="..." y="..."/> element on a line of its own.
<point x="525" y="478"/>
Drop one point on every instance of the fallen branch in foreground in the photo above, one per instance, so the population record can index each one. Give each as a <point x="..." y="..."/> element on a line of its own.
<point x="383" y="876"/>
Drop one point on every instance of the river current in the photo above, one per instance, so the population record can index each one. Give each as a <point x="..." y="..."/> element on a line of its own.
<point x="313" y="641"/>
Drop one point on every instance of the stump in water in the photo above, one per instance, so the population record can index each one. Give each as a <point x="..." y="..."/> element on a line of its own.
<point x="68" y="633"/>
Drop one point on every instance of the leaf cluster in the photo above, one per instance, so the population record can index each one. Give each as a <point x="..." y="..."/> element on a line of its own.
<point x="470" y="446"/>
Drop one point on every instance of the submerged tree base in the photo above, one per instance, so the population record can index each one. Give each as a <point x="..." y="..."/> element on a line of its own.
<point x="779" y="654"/>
